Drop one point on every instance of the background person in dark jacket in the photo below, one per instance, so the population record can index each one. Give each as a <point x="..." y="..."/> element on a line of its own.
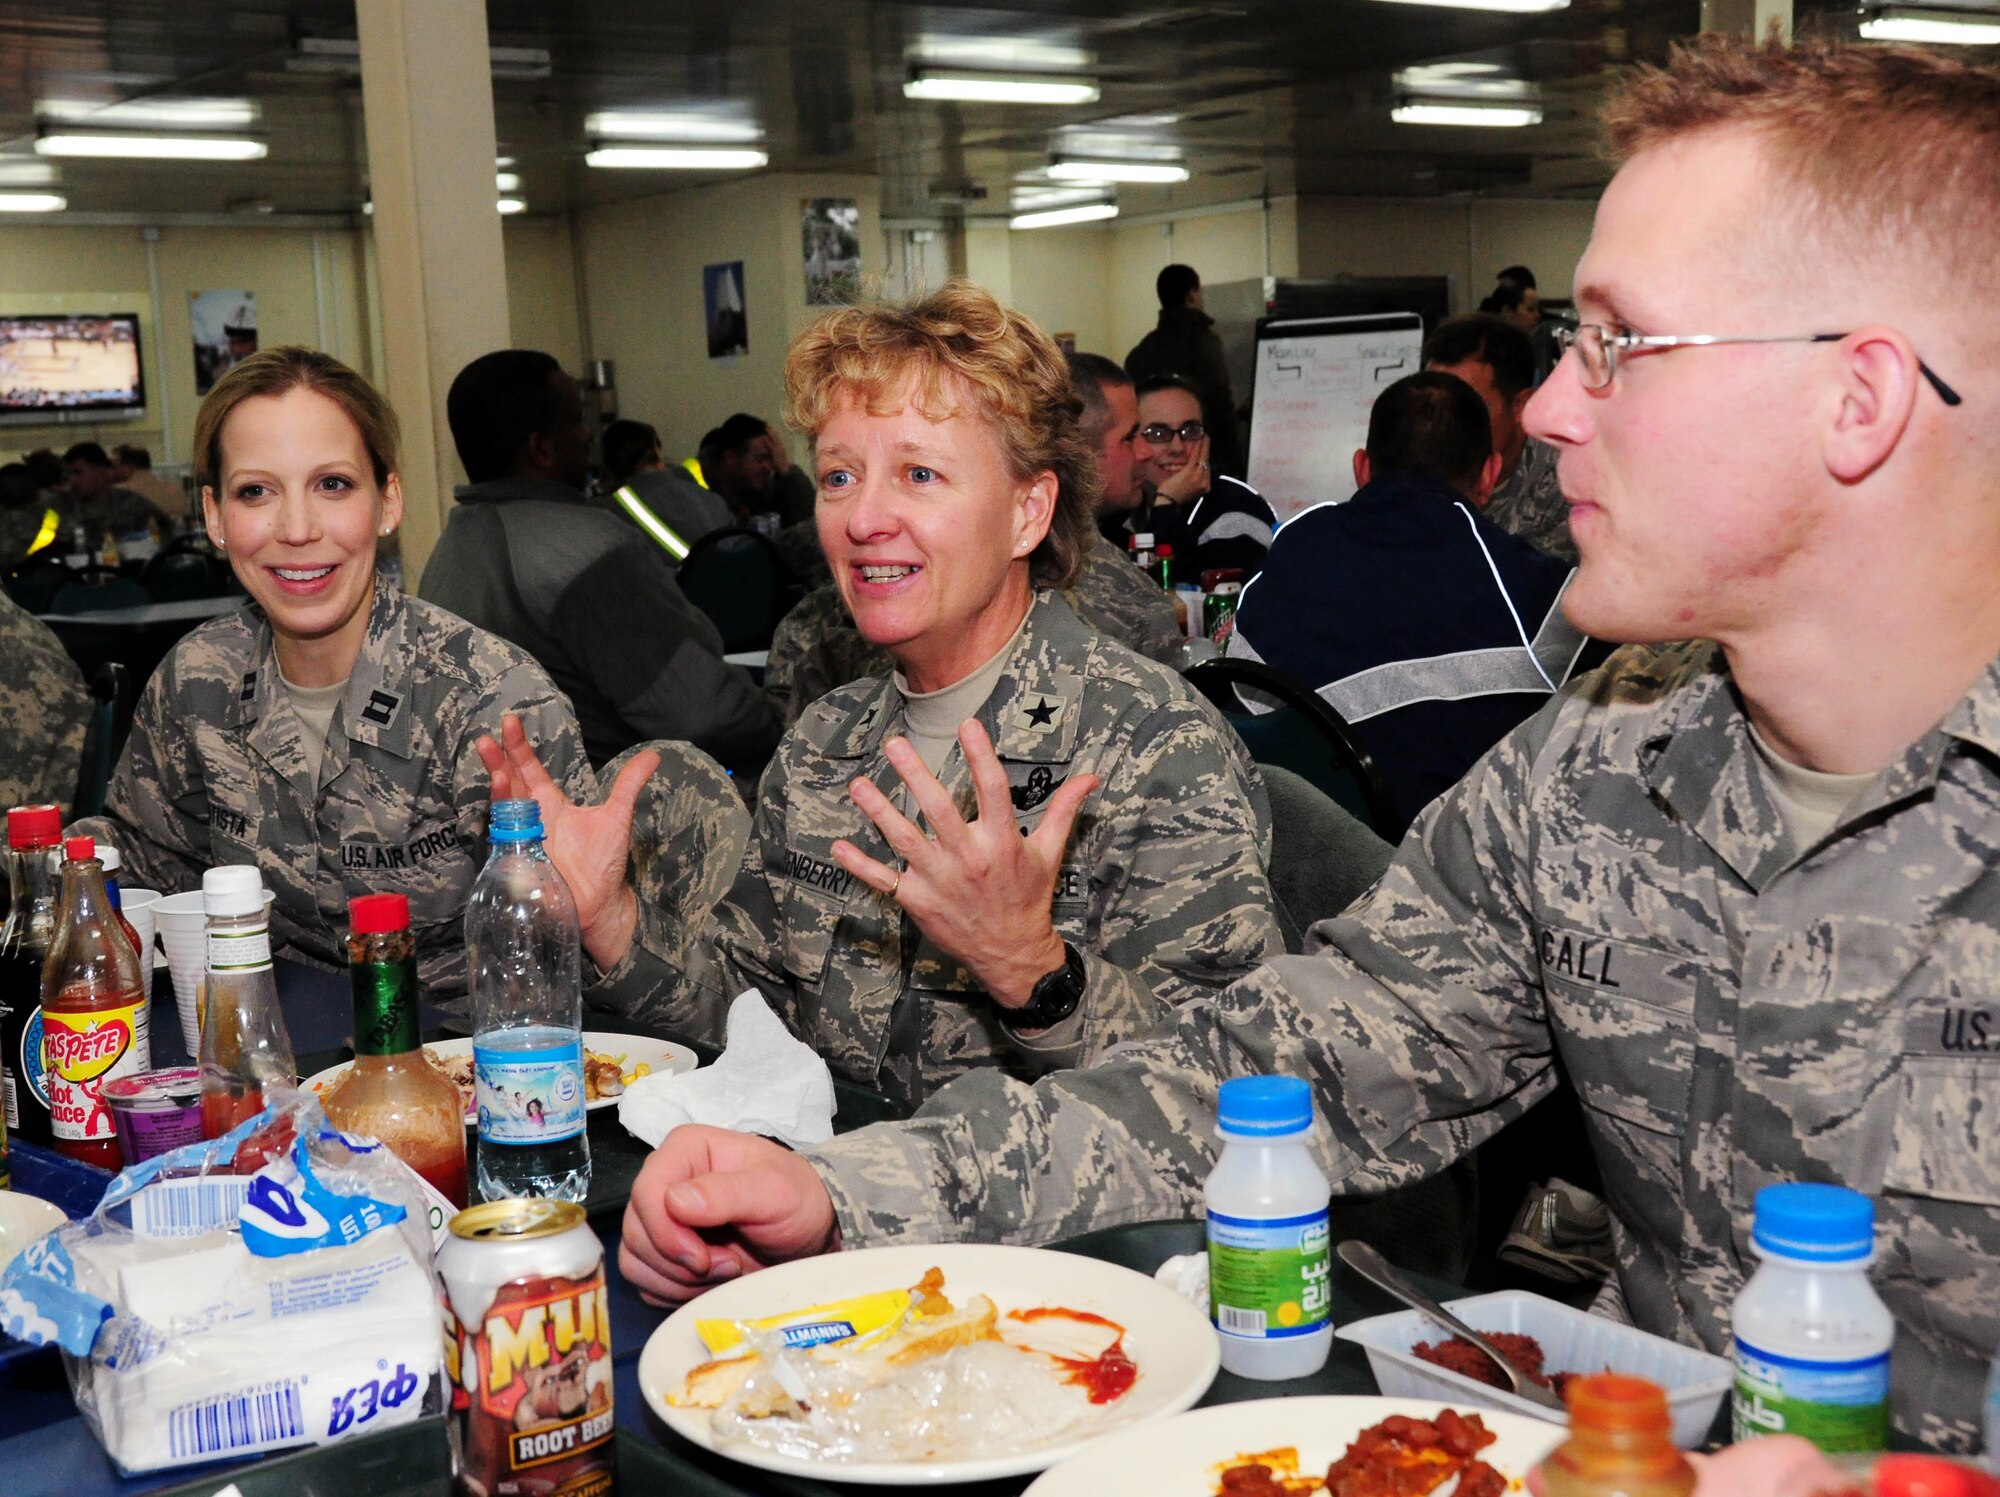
<point x="594" y="601"/>
<point x="1184" y="344"/>
<point x="1427" y="627"/>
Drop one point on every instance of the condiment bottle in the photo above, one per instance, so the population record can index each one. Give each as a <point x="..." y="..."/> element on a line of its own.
<point x="1269" y="1268"/>
<point x="24" y="947"/>
<point x="244" y="1047"/>
<point x="86" y="847"/>
<point x="1620" y="1443"/>
<point x="391" y="1093"/>
<point x="94" y="1015"/>
<point x="1811" y="1337"/>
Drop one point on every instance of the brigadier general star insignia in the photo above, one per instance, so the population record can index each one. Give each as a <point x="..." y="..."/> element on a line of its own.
<point x="1044" y="717"/>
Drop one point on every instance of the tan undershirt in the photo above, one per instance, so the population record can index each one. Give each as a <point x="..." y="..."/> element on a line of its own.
<point x="933" y="718"/>
<point x="315" y="706"/>
<point x="1809" y="801"/>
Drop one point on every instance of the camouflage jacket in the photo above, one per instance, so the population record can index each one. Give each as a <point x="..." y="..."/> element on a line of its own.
<point x="117" y="511"/>
<point x="1530" y="504"/>
<point x="1163" y="888"/>
<point x="214" y="773"/>
<point x="43" y="710"/>
<point x="816" y="646"/>
<point x="1612" y="885"/>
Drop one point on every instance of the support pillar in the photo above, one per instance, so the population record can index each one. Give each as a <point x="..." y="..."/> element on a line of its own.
<point x="427" y="96"/>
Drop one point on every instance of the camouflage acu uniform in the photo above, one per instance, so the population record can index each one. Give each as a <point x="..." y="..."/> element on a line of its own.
<point x="816" y="646"/>
<point x="1163" y="888"/>
<point x="214" y="772"/>
<point x="1530" y="504"/>
<point x="43" y="709"/>
<point x="1611" y="885"/>
<point x="116" y="511"/>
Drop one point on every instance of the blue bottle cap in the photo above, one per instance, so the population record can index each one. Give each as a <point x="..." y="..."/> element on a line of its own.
<point x="513" y="821"/>
<point x="1264" y="1106"/>
<point x="1815" y="1223"/>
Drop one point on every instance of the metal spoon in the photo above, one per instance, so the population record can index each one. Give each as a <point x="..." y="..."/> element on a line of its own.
<point x="1372" y="1266"/>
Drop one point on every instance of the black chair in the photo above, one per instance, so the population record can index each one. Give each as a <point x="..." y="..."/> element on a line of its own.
<point x="1322" y="857"/>
<point x="1302" y="734"/>
<point x="737" y="578"/>
<point x="94" y="589"/>
<point x="109" y="684"/>
<point x="33" y="582"/>
<point x="181" y="572"/>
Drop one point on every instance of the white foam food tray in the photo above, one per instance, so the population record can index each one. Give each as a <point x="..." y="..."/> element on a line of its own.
<point x="1572" y="1341"/>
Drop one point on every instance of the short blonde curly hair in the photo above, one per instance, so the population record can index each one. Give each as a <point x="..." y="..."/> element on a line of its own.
<point x="1882" y="156"/>
<point x="958" y="344"/>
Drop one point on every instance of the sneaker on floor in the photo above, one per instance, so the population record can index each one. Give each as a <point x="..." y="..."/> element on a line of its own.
<point x="1561" y="1233"/>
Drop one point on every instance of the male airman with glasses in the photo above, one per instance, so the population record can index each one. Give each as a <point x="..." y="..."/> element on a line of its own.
<point x="1745" y="889"/>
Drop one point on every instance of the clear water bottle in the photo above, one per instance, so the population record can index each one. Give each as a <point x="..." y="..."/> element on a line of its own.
<point x="527" y="1016"/>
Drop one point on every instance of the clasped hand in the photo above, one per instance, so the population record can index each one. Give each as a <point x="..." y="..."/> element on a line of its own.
<point x="980" y="890"/>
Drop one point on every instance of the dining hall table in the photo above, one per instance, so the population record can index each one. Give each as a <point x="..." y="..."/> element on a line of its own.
<point x="45" y="1447"/>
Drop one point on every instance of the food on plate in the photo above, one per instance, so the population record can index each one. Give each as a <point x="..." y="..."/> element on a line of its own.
<point x="907" y="1374"/>
<point x="1399" y="1457"/>
<point x="1459" y="1355"/>
<point x="604" y="1076"/>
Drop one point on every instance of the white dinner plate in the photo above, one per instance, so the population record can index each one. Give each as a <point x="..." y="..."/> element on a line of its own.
<point x="1184" y="1456"/>
<point x="1169" y="1341"/>
<point x="664" y="1056"/>
<point x="23" y="1218"/>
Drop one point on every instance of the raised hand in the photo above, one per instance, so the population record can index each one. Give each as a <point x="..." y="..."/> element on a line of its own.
<point x="588" y="844"/>
<point x="1190" y="482"/>
<point x="710" y="1204"/>
<point x="980" y="890"/>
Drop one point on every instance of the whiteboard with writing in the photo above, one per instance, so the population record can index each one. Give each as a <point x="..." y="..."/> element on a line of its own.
<point x="1315" y="382"/>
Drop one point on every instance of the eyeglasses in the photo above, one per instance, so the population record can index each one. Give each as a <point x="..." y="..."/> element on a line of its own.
<point x="1597" y="349"/>
<point x="1159" y="433"/>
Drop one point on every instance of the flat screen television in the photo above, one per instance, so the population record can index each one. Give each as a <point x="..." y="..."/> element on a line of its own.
<point x="70" y="365"/>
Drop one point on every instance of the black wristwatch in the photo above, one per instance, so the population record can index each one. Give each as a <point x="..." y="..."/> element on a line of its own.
<point x="1055" y="997"/>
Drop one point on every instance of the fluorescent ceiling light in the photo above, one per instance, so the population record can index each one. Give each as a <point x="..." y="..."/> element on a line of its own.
<point x="677" y="158"/>
<point x="994" y="88"/>
<point x="152" y="147"/>
<point x="1952" y="28"/>
<point x="1081" y="169"/>
<point x="503" y="162"/>
<point x="151" y="114"/>
<point x="999" y="52"/>
<point x="32" y="202"/>
<point x="512" y="205"/>
<point x="656" y="125"/>
<point x="1051" y="218"/>
<point x="1440" y="112"/>
<point x="1518" y="7"/>
<point x="330" y="54"/>
<point x="26" y="171"/>
<point x="507" y="182"/>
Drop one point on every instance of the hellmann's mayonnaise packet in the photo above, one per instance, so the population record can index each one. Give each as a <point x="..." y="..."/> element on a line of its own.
<point x="861" y="1319"/>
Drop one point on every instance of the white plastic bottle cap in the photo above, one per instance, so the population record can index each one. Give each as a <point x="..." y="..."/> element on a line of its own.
<point x="235" y="890"/>
<point x="108" y="856"/>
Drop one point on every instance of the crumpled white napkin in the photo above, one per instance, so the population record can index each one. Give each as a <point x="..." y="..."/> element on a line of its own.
<point x="764" y="1082"/>
<point x="1187" y="1276"/>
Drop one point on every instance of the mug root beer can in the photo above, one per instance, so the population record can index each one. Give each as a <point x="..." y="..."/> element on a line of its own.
<point x="527" y="1339"/>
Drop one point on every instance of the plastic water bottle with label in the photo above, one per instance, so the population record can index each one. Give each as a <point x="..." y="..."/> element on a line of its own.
<point x="527" y="1016"/>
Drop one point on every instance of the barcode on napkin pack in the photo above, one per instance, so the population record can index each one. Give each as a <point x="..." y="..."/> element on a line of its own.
<point x="254" y="1419"/>
<point x="190" y="1207"/>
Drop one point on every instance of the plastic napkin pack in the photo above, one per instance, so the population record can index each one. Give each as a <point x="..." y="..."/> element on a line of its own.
<point x="204" y="1314"/>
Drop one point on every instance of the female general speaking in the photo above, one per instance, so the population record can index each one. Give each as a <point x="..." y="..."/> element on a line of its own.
<point x="1028" y="842"/>
<point x="325" y="732"/>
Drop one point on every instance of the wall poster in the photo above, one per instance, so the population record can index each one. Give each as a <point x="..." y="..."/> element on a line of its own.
<point x="830" y="233"/>
<point x="722" y="310"/>
<point x="225" y="333"/>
